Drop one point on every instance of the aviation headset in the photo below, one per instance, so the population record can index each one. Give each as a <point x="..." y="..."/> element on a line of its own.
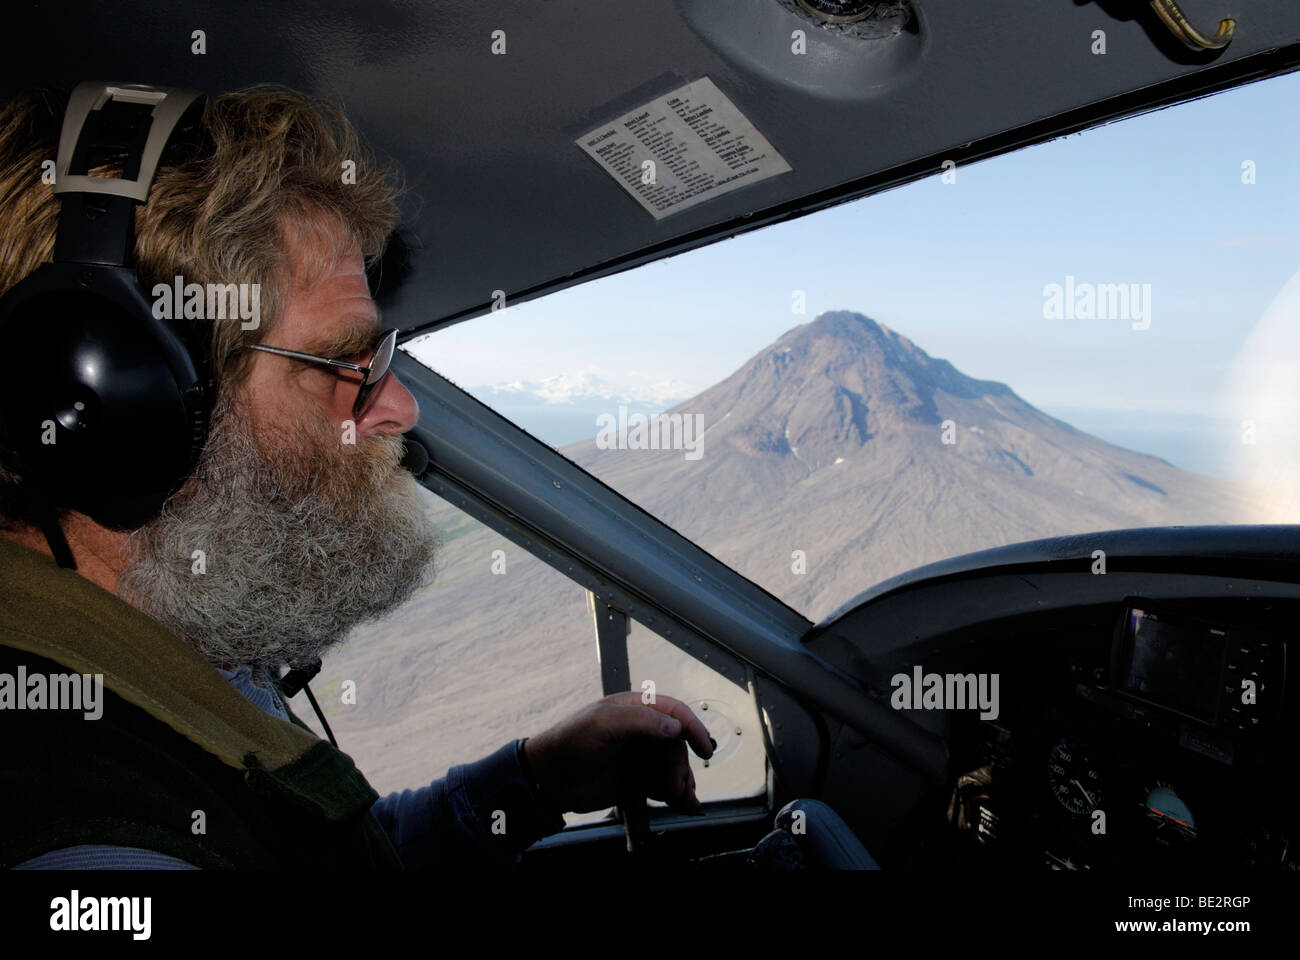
<point x="105" y="405"/>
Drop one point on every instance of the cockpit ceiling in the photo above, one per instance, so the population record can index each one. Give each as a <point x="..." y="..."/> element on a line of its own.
<point x="485" y="124"/>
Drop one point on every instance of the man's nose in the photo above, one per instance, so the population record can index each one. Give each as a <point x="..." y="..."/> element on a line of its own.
<point x="392" y="409"/>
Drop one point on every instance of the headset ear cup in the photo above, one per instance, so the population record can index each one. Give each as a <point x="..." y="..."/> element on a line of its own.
<point x="104" y="407"/>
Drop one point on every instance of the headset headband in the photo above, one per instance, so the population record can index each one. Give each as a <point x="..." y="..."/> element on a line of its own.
<point x="104" y="120"/>
<point x="167" y="105"/>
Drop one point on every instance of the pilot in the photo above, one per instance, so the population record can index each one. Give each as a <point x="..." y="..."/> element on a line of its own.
<point x="296" y="524"/>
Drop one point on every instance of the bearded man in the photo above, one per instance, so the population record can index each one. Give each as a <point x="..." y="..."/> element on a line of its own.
<point x="305" y="523"/>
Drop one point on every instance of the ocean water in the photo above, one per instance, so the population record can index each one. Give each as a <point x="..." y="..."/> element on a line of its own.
<point x="559" y="424"/>
<point x="1189" y="441"/>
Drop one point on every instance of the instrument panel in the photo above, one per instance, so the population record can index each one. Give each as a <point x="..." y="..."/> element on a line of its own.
<point x="1160" y="739"/>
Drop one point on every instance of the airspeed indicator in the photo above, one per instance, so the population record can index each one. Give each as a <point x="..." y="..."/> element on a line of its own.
<point x="1073" y="778"/>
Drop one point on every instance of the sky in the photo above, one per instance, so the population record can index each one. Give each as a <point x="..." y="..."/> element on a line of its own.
<point x="961" y="269"/>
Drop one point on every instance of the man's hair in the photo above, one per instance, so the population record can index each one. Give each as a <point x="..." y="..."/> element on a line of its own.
<point x="280" y="165"/>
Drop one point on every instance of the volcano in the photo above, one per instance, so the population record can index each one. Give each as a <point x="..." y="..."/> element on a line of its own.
<point x="844" y="454"/>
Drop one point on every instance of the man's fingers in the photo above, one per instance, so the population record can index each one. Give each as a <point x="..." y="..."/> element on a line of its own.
<point x="672" y="780"/>
<point x="695" y="732"/>
<point x="667" y="719"/>
<point x="661" y="768"/>
<point x="689" y="801"/>
<point x="637" y="719"/>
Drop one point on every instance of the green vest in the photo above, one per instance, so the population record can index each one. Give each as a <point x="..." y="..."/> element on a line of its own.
<point x="178" y="762"/>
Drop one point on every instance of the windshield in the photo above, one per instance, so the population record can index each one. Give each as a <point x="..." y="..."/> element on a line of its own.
<point x="1095" y="333"/>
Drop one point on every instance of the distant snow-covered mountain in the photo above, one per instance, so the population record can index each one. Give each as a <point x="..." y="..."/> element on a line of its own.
<point x="585" y="386"/>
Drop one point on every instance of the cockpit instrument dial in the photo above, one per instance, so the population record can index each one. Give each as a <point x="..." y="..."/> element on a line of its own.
<point x="1073" y="778"/>
<point x="839" y="11"/>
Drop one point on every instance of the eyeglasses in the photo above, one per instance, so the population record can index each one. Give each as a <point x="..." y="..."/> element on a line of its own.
<point x="374" y="373"/>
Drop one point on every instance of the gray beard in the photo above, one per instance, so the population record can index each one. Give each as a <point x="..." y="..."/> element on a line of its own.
<point x="301" y="543"/>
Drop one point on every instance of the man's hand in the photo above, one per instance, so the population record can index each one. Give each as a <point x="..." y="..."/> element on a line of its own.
<point x="616" y="747"/>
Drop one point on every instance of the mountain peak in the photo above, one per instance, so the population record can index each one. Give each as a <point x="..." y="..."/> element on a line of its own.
<point x="851" y="328"/>
<point x="847" y="339"/>
<point x="830" y="385"/>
